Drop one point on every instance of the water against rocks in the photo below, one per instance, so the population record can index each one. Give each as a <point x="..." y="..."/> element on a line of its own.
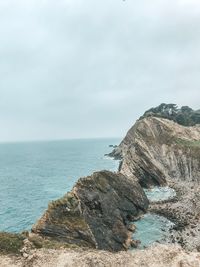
<point x="160" y="193"/>
<point x="151" y="228"/>
<point x="32" y="174"/>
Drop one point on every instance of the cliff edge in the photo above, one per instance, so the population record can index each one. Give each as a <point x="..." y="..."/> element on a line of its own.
<point x="157" y="149"/>
<point x="97" y="213"/>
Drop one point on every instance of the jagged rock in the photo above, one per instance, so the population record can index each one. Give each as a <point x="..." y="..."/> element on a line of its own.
<point x="96" y="213"/>
<point x="135" y="243"/>
<point x="156" y="149"/>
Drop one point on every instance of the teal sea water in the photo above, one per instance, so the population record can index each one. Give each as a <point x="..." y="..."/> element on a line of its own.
<point x="160" y="193"/>
<point x="32" y="174"/>
<point x="152" y="228"/>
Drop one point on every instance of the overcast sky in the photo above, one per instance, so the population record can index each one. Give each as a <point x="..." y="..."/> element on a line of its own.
<point x="89" y="68"/>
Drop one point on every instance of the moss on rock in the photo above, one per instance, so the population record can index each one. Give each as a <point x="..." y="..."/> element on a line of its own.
<point x="11" y="243"/>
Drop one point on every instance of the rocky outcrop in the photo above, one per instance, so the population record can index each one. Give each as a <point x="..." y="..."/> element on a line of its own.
<point x="156" y="149"/>
<point x="96" y="213"/>
<point x="184" y="211"/>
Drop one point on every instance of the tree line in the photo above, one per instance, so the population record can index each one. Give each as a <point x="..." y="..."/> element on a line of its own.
<point x="185" y="115"/>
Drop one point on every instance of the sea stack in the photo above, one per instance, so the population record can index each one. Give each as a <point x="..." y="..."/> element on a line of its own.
<point x="97" y="213"/>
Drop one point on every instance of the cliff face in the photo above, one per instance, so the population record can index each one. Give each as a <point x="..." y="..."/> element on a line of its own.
<point x="156" y="149"/>
<point x="96" y="213"/>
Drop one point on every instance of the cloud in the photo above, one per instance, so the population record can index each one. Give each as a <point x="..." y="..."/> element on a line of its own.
<point x="90" y="68"/>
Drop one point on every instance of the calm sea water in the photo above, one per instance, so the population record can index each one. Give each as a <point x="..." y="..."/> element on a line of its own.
<point x="152" y="228"/>
<point x="160" y="193"/>
<point x="32" y="174"/>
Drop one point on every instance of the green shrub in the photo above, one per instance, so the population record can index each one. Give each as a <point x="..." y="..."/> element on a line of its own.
<point x="11" y="243"/>
<point x="184" y="116"/>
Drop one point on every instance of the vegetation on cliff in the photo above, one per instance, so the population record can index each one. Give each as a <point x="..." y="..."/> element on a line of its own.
<point x="11" y="243"/>
<point x="185" y="115"/>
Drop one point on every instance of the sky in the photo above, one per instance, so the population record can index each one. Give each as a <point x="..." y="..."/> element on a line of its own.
<point x="90" y="68"/>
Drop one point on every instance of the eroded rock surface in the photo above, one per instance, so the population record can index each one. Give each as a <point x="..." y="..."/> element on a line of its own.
<point x="96" y="213"/>
<point x="156" y="150"/>
<point x="184" y="210"/>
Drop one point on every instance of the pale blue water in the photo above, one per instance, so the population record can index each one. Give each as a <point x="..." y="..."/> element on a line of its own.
<point x="160" y="193"/>
<point x="32" y="174"/>
<point x="151" y="228"/>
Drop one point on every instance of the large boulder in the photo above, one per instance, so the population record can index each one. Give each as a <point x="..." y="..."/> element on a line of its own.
<point x="96" y="213"/>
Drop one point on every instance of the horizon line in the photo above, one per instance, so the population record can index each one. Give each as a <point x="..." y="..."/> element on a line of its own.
<point x="55" y="140"/>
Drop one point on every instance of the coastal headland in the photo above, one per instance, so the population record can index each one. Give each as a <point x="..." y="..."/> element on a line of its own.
<point x="96" y="219"/>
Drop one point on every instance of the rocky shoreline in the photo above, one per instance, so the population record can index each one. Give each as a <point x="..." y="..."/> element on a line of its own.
<point x="184" y="211"/>
<point x="99" y="212"/>
<point x="158" y="151"/>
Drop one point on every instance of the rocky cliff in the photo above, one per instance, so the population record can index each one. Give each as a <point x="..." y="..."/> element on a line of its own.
<point x="157" y="149"/>
<point x="97" y="212"/>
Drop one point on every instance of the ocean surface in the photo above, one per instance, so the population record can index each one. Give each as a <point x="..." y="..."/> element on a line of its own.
<point x="152" y="228"/>
<point x="34" y="173"/>
<point x="160" y="193"/>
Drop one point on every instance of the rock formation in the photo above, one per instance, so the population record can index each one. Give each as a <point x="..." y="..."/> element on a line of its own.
<point x="99" y="211"/>
<point x="156" y="149"/>
<point x="96" y="213"/>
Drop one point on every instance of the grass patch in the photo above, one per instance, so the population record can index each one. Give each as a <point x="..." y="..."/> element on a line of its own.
<point x="75" y="222"/>
<point x="11" y="243"/>
<point x="68" y="200"/>
<point x="39" y="242"/>
<point x="188" y="143"/>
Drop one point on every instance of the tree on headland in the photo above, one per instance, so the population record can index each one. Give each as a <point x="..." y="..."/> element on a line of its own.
<point x="185" y="115"/>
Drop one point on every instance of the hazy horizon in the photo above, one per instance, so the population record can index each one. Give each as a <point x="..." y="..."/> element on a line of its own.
<point x="89" y="69"/>
<point x="62" y="140"/>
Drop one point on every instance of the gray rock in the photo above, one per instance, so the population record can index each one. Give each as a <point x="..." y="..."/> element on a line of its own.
<point x="96" y="213"/>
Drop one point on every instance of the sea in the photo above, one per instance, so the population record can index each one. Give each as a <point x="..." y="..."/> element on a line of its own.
<point x="34" y="173"/>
